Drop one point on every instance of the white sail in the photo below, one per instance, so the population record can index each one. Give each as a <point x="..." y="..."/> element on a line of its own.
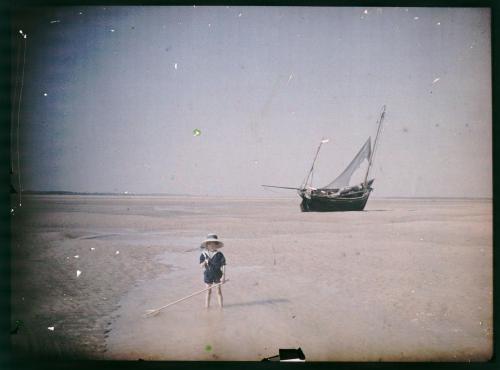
<point x="343" y="179"/>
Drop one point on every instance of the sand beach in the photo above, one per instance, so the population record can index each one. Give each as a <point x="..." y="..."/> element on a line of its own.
<point x="405" y="280"/>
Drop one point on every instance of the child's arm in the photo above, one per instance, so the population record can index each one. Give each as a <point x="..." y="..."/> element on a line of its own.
<point x="203" y="261"/>
<point x="223" y="273"/>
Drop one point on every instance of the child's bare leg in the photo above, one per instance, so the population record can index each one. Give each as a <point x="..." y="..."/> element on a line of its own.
<point x="219" y="296"/>
<point x="207" y="297"/>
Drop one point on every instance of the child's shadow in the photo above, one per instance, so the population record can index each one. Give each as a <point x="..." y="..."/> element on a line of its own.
<point x="256" y="303"/>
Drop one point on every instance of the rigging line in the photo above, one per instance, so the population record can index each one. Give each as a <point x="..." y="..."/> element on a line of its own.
<point x="16" y="85"/>
<point x="18" y="123"/>
<point x="303" y="184"/>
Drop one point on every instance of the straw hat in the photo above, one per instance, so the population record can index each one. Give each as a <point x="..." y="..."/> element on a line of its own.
<point x="213" y="239"/>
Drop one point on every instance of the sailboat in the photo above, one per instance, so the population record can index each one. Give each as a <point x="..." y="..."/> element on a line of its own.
<point x="339" y="195"/>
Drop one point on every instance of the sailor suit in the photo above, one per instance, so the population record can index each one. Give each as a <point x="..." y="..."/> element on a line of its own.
<point x="213" y="270"/>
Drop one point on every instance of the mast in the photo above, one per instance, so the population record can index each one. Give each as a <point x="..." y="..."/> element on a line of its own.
<point x="323" y="141"/>
<point x="382" y="115"/>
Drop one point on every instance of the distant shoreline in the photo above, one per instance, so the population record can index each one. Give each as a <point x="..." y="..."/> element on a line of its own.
<point x="34" y="192"/>
<point x="31" y="192"/>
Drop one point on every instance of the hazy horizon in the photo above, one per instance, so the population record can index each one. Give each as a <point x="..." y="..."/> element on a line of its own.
<point x="263" y="196"/>
<point x="113" y="96"/>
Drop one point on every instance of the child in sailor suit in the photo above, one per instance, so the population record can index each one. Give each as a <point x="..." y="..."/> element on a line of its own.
<point x="213" y="262"/>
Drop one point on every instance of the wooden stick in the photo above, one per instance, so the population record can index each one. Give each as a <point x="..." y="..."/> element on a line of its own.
<point x="154" y="312"/>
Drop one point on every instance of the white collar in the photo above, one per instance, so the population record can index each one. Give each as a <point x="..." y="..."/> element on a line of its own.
<point x="211" y="253"/>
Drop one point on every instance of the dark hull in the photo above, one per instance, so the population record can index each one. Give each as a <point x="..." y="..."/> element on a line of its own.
<point x="330" y="204"/>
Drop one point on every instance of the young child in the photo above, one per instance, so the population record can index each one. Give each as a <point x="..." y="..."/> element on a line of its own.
<point x="214" y="263"/>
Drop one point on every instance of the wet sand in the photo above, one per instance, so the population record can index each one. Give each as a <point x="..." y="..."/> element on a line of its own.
<point x="406" y="280"/>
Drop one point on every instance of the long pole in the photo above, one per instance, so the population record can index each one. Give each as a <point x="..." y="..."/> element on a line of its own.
<point x="382" y="115"/>
<point x="156" y="311"/>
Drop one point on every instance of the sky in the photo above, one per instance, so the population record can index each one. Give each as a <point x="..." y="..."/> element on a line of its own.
<point x="219" y="100"/>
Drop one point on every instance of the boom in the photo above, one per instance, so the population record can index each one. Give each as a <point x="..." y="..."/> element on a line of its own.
<point x="280" y="187"/>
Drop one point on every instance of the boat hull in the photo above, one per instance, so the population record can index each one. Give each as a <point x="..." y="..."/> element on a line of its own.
<point x="331" y="204"/>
